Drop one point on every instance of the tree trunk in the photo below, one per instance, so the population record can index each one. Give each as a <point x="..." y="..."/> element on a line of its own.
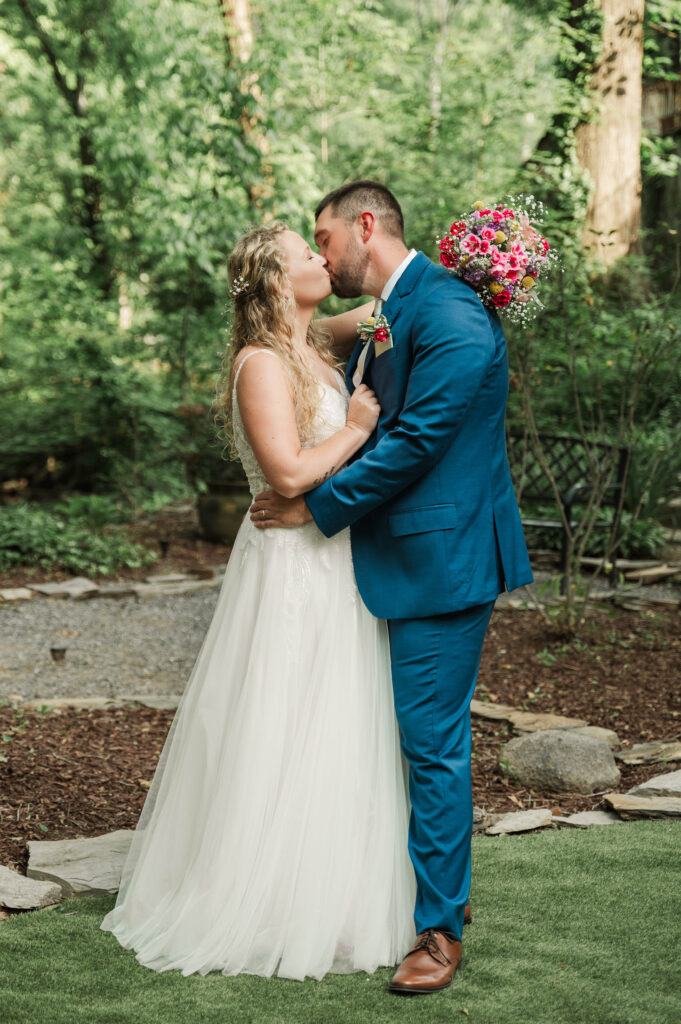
<point x="609" y="147"/>
<point x="238" y="29"/>
<point x="240" y="41"/>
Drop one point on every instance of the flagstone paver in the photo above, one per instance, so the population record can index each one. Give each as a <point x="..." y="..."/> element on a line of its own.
<point x="521" y="821"/>
<point x="651" y="753"/>
<point x="78" y="586"/>
<point x="668" y="784"/>
<point x="594" y="818"/>
<point x="20" y="893"/>
<point x="17" y="594"/>
<point x="628" y="806"/>
<point x="524" y="721"/>
<point x="81" y="866"/>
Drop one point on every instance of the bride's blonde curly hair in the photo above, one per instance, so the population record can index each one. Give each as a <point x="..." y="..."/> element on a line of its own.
<point x="264" y="316"/>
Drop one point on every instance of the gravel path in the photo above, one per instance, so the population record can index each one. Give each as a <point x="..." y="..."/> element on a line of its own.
<point x="125" y="647"/>
<point x="114" y="648"/>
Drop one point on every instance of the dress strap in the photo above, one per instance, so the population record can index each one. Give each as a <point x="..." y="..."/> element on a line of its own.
<point x="255" y="352"/>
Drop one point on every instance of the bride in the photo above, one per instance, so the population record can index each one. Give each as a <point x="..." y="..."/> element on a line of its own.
<point x="274" y="836"/>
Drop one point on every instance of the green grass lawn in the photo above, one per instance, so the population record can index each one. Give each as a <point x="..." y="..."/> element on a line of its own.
<point x="569" y="928"/>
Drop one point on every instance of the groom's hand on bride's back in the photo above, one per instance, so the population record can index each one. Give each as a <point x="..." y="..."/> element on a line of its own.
<point x="270" y="509"/>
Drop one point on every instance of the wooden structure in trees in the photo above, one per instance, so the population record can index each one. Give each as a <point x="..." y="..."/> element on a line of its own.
<point x="662" y="108"/>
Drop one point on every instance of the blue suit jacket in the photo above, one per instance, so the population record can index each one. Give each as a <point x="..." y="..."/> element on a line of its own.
<point x="435" y="524"/>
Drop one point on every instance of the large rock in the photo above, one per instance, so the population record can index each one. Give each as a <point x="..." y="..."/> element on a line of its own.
<point x="20" y="893"/>
<point x="661" y="785"/>
<point x="560" y="761"/>
<point x="93" y="866"/>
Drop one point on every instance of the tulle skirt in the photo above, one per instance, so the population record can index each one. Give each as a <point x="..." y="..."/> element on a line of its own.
<point x="274" y="835"/>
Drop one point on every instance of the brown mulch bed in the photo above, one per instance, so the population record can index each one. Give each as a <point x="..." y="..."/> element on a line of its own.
<point x="82" y="773"/>
<point x="187" y="550"/>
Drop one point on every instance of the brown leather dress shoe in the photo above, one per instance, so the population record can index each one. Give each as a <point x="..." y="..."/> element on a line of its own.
<point x="429" y="965"/>
<point x="467" y="916"/>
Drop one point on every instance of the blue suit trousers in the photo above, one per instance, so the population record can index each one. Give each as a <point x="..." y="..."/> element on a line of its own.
<point x="435" y="665"/>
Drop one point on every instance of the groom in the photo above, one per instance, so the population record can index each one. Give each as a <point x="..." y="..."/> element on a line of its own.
<point x="435" y="529"/>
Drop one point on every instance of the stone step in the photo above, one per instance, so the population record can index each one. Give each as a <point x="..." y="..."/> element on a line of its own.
<point x="524" y="721"/>
<point x="668" y="784"/>
<point x="521" y="821"/>
<point x="81" y="866"/>
<point x="631" y="807"/>
<point x="589" y="818"/>
<point x="165" y="702"/>
<point x="17" y="594"/>
<point x="20" y="893"/>
<point x="655" y="574"/>
<point x="651" y="753"/>
<point x="78" y="587"/>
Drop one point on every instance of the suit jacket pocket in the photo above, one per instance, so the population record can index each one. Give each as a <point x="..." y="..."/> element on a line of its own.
<point x="426" y="519"/>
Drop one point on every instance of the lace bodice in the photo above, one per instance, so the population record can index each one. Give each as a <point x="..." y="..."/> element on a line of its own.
<point x="331" y="414"/>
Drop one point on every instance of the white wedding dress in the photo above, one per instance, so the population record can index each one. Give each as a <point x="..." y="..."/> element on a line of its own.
<point x="274" y="835"/>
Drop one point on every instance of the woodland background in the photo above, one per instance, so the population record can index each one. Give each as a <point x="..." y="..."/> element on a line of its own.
<point x="140" y="139"/>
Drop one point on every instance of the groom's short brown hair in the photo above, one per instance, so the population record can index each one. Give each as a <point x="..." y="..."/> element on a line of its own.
<point x="350" y="200"/>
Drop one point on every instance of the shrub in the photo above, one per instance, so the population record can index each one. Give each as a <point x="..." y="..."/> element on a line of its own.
<point x="63" y="537"/>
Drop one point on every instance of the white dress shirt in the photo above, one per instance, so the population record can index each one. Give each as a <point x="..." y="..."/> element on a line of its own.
<point x="380" y="303"/>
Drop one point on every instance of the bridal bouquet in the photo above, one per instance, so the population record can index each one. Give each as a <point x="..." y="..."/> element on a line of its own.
<point x="501" y="254"/>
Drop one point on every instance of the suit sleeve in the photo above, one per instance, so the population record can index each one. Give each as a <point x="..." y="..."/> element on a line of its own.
<point x="454" y="348"/>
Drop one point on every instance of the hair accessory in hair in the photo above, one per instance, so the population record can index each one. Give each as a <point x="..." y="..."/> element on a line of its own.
<point x="240" y="285"/>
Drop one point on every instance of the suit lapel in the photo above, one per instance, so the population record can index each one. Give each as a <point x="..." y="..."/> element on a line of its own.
<point x="400" y="293"/>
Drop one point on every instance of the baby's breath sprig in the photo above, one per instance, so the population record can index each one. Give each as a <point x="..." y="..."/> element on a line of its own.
<point x="240" y="285"/>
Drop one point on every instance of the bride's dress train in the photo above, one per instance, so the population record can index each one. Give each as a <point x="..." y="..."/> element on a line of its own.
<point x="274" y="835"/>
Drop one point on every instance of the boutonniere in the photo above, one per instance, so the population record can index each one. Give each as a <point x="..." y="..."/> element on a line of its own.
<point x="376" y="329"/>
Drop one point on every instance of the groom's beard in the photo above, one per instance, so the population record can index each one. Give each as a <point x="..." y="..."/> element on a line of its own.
<point x="347" y="280"/>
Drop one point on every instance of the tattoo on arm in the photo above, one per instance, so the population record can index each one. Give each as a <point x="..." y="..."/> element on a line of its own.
<point x="321" y="479"/>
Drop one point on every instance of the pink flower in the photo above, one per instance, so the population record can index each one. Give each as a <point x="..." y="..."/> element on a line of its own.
<point x="502" y="299"/>
<point x="483" y="247"/>
<point x="380" y="334"/>
<point x="487" y="234"/>
<point x="470" y="244"/>
<point x="498" y="216"/>
<point x="457" y="228"/>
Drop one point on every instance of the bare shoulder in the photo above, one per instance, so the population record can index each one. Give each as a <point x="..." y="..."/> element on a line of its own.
<point x="270" y="366"/>
<point x="257" y="370"/>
